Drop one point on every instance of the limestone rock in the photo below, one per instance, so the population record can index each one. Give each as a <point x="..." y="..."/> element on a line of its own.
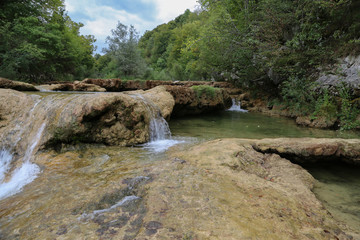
<point x="224" y="189"/>
<point x="111" y="119"/>
<point x="188" y="102"/>
<point x="312" y="149"/>
<point x="20" y="86"/>
<point x="349" y="74"/>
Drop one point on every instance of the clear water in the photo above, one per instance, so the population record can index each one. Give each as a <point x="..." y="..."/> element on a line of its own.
<point x="233" y="124"/>
<point x="338" y="187"/>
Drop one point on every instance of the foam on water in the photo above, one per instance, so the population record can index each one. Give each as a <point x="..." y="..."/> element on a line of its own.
<point x="21" y="176"/>
<point x="236" y="107"/>
<point x="159" y="146"/>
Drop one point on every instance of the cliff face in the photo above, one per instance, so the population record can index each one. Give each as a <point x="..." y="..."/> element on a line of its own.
<point x="346" y="71"/>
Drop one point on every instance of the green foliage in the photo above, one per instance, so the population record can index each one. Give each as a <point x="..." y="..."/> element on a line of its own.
<point x="298" y="96"/>
<point x="39" y="42"/>
<point x="204" y="90"/>
<point x="325" y="106"/>
<point x="349" y="112"/>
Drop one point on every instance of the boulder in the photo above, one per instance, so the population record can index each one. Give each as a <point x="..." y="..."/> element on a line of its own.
<point x="20" y="86"/>
<point x="160" y="97"/>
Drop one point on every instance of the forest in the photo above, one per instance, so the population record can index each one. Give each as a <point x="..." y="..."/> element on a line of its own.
<point x="272" y="46"/>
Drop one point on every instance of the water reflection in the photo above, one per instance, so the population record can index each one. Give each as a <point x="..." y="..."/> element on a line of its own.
<point x="247" y="125"/>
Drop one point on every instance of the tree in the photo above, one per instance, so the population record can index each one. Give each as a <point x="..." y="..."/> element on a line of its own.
<point x="124" y="53"/>
<point x="39" y="42"/>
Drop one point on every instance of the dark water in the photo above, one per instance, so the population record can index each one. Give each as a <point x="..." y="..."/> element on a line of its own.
<point x="338" y="185"/>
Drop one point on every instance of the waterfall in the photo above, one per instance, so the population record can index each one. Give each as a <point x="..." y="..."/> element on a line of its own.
<point x="159" y="131"/>
<point x="13" y="180"/>
<point x="21" y="176"/>
<point x="236" y="106"/>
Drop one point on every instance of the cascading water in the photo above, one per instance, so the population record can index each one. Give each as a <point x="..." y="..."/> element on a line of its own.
<point x="159" y="131"/>
<point x="12" y="179"/>
<point x="22" y="175"/>
<point x="236" y="106"/>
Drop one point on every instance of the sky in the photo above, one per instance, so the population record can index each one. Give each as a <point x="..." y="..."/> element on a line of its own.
<point x="100" y="16"/>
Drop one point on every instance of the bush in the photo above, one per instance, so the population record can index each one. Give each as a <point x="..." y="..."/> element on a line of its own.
<point x="348" y="111"/>
<point x="206" y="90"/>
<point x="298" y="95"/>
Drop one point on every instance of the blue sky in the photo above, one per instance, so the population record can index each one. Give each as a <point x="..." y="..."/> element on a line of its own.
<point x="100" y="16"/>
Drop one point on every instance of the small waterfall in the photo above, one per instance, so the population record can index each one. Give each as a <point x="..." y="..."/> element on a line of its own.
<point x="159" y="131"/>
<point x="236" y="106"/>
<point x="22" y="175"/>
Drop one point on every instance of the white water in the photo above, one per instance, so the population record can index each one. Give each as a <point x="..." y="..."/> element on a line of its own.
<point x="160" y="134"/>
<point x="236" y="106"/>
<point x="21" y="176"/>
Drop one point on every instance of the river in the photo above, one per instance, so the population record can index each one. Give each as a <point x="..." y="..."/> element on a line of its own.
<point x="76" y="184"/>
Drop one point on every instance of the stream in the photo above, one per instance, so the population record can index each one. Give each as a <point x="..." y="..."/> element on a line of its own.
<point x="68" y="195"/>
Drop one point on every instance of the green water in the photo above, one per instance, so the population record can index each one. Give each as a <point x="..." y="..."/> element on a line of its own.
<point x="247" y="125"/>
<point x="338" y="187"/>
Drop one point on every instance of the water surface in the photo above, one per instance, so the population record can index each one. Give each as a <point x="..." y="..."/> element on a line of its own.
<point x="230" y="124"/>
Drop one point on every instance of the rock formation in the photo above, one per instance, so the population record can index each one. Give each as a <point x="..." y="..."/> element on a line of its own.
<point x="189" y="101"/>
<point x="312" y="149"/>
<point x="20" y="86"/>
<point x="111" y="119"/>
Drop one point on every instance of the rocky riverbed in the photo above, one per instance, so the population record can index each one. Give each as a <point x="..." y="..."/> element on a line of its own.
<point x="222" y="189"/>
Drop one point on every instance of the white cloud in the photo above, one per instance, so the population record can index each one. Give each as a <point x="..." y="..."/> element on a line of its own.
<point x="99" y="19"/>
<point x="170" y="9"/>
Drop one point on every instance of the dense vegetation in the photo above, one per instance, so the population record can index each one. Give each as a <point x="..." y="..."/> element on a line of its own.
<point x="253" y="42"/>
<point x="39" y="42"/>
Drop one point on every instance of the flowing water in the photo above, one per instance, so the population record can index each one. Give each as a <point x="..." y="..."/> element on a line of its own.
<point x="76" y="188"/>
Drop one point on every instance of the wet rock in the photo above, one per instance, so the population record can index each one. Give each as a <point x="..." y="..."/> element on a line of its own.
<point x="20" y="86"/>
<point x="160" y="96"/>
<point x="152" y="227"/>
<point x="62" y="230"/>
<point x="111" y="119"/>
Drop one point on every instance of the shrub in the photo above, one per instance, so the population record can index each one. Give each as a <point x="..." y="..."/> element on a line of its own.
<point x="206" y="90"/>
